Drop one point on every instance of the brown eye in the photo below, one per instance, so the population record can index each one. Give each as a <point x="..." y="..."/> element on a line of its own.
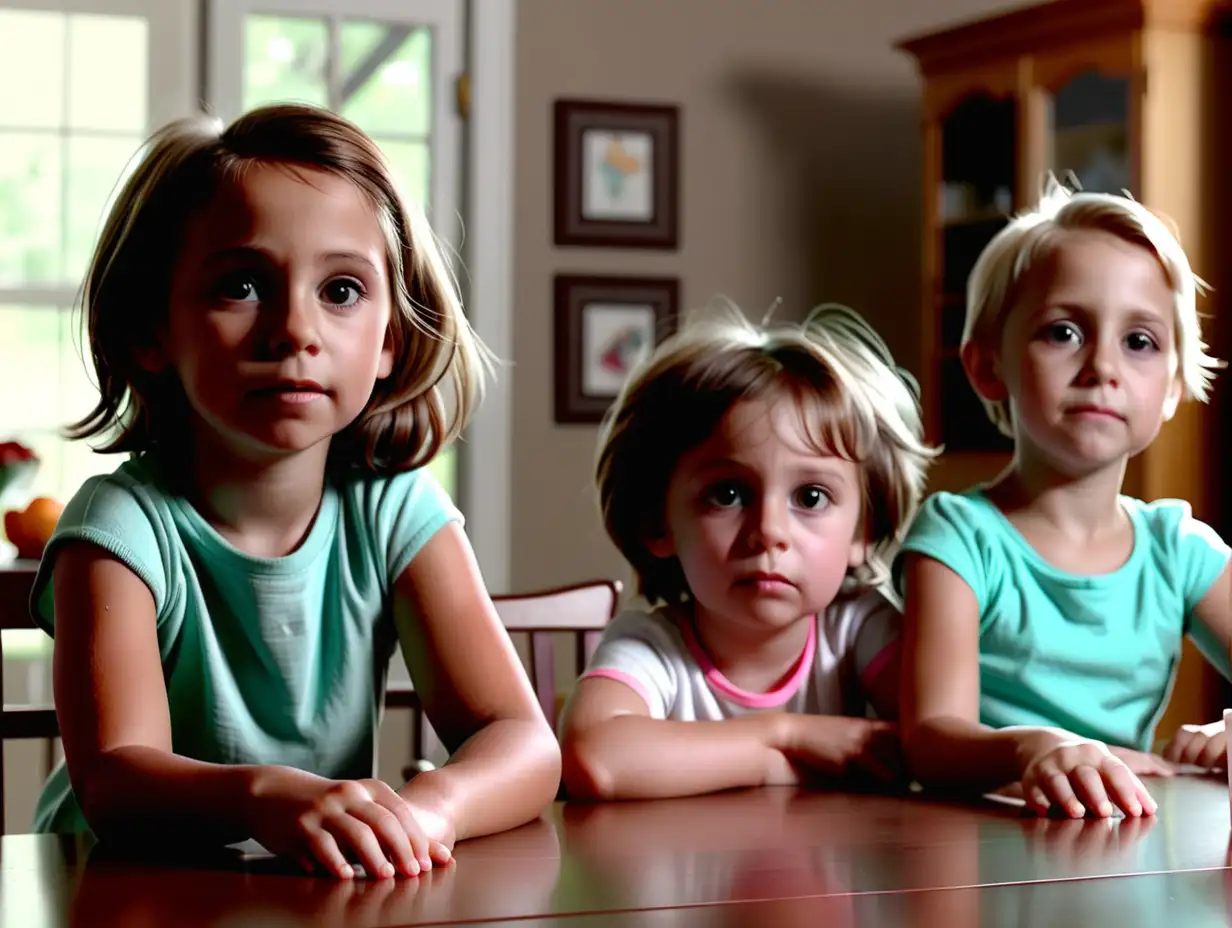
<point x="237" y="288"/>
<point x="342" y="292"/>
<point x="811" y="497"/>
<point x="724" y="496"/>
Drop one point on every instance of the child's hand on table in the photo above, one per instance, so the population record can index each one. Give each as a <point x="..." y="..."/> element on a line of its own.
<point x="837" y="746"/>
<point x="1204" y="746"/>
<point x="326" y="823"/>
<point x="1077" y="775"/>
<point x="1143" y="764"/>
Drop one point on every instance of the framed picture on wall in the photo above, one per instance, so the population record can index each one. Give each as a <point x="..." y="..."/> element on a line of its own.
<point x="617" y="171"/>
<point x="605" y="327"/>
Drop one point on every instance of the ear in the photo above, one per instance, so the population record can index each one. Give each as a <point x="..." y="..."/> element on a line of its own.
<point x="984" y="372"/>
<point x="857" y="554"/>
<point x="386" y="365"/>
<point x="1173" y="399"/>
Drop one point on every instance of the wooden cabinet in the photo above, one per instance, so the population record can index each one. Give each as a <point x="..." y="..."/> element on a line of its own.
<point x="1116" y="95"/>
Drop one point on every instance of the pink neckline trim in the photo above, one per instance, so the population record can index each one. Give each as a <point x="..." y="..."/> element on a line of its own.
<point x="771" y="699"/>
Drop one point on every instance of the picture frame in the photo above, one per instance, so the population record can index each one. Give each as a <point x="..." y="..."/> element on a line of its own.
<point x="604" y="327"/>
<point x="617" y="174"/>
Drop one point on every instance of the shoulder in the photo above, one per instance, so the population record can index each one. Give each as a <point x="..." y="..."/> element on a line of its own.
<point x="655" y="629"/>
<point x="968" y="510"/>
<point x="1171" y="522"/>
<point x="1186" y="551"/>
<point x="126" y="513"/>
<point x="964" y="531"/>
<point x="396" y="515"/>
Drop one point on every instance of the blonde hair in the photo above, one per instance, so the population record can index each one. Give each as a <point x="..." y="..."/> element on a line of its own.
<point x="995" y="282"/>
<point x="854" y="402"/>
<point x="439" y="364"/>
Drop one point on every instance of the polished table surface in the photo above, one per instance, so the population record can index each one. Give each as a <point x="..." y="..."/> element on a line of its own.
<point x="760" y="857"/>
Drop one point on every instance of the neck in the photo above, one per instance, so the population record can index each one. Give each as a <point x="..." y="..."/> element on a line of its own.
<point x="1075" y="503"/>
<point x="754" y="657"/>
<point x="263" y="506"/>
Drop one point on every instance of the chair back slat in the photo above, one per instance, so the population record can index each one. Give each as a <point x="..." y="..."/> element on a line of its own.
<point x="17" y="721"/>
<point x="583" y="610"/>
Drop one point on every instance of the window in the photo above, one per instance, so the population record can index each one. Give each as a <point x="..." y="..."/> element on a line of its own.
<point x="81" y="84"/>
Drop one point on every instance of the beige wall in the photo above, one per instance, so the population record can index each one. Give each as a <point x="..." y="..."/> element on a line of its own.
<point x="800" y="179"/>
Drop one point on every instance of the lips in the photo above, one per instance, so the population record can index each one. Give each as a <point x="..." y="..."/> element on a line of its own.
<point x="760" y="576"/>
<point x="290" y="386"/>
<point x="1094" y="409"/>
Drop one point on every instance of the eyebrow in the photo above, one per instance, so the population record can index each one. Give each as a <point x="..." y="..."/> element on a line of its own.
<point x="818" y="471"/>
<point x="249" y="251"/>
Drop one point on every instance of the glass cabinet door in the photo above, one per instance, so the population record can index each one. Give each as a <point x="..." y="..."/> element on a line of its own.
<point x="1088" y="141"/>
<point x="979" y="164"/>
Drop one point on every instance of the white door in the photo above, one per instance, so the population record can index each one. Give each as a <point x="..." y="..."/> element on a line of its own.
<point x="390" y="66"/>
<point x="82" y="83"/>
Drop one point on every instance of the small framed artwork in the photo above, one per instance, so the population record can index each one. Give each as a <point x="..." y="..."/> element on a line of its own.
<point x="605" y="327"/>
<point x="617" y="174"/>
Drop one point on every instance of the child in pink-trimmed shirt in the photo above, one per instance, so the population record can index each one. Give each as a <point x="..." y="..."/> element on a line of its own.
<point x="757" y="480"/>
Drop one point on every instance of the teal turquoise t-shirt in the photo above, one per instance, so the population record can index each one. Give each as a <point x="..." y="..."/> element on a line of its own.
<point x="1095" y="655"/>
<point x="266" y="660"/>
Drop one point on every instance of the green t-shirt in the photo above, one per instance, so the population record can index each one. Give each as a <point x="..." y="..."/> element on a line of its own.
<point x="1095" y="655"/>
<point x="266" y="660"/>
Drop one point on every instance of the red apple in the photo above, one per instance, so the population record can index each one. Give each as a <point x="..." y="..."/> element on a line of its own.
<point x="13" y="452"/>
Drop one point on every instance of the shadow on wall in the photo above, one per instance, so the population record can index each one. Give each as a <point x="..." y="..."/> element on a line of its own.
<point x="848" y="178"/>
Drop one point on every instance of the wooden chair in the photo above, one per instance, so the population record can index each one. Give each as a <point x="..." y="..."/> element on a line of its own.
<point x="20" y="721"/>
<point x="583" y="609"/>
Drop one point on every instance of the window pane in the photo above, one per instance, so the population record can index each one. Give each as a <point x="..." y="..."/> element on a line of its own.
<point x="76" y="388"/>
<point x="385" y="74"/>
<point x="284" y="60"/>
<point x="411" y="163"/>
<point x="96" y="167"/>
<point x="29" y="208"/>
<point x="444" y="467"/>
<point x="108" y="83"/>
<point x="29" y="367"/>
<point x="33" y="45"/>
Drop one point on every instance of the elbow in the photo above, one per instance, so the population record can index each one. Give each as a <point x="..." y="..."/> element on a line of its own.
<point x="587" y="778"/>
<point x="93" y="784"/>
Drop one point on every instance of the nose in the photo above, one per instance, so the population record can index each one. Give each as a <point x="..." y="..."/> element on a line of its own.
<point x="1102" y="364"/>
<point x="294" y="325"/>
<point x="768" y="531"/>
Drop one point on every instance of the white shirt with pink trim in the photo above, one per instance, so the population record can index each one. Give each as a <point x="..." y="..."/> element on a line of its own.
<point x="659" y="657"/>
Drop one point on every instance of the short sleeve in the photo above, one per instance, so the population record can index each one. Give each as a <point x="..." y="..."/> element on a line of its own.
<point x="126" y="518"/>
<point x="948" y="529"/>
<point x="403" y="512"/>
<point x="637" y="650"/>
<point x="1201" y="555"/>
<point x="877" y="624"/>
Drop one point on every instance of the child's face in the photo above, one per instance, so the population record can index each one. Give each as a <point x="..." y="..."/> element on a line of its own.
<point x="764" y="527"/>
<point x="1088" y="355"/>
<point x="279" y="313"/>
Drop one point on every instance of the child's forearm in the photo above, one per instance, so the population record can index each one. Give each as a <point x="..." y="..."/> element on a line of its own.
<point x="960" y="753"/>
<point x="635" y="757"/>
<point x="136" y="792"/>
<point x="504" y="776"/>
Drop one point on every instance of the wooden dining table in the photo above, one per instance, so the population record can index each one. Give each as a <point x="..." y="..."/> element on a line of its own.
<point x="772" y="857"/>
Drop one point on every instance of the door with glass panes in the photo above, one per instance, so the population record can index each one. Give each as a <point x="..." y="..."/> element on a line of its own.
<point x="390" y="66"/>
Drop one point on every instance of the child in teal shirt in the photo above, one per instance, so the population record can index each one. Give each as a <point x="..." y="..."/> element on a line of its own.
<point x="1045" y="611"/>
<point x="279" y="345"/>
